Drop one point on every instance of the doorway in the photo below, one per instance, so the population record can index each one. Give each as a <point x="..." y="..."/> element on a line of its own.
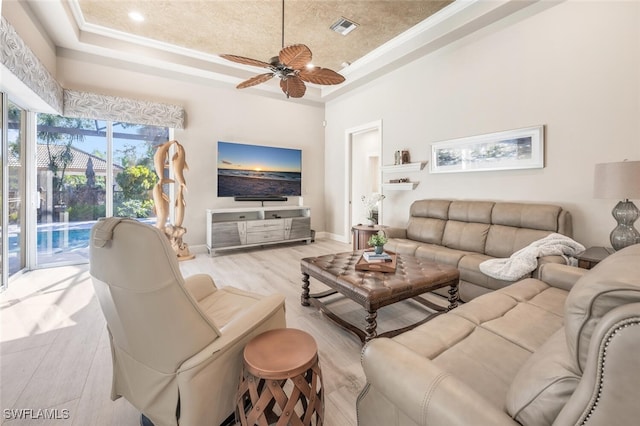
<point x="364" y="153"/>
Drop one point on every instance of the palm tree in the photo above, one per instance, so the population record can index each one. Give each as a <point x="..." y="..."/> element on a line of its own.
<point x="53" y="130"/>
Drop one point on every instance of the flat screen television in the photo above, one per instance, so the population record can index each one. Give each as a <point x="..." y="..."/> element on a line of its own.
<point x="258" y="172"/>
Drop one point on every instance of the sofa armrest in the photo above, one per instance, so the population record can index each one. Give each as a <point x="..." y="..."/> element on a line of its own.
<point x="423" y="391"/>
<point x="392" y="232"/>
<point x="200" y="286"/>
<point x="542" y="260"/>
<point x="609" y="396"/>
<point x="560" y="276"/>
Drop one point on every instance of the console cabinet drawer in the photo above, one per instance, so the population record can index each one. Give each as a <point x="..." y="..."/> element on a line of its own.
<point x="265" y="225"/>
<point x="265" y="236"/>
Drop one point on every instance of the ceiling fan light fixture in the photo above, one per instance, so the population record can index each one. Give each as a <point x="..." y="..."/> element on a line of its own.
<point x="292" y="66"/>
<point x="343" y="26"/>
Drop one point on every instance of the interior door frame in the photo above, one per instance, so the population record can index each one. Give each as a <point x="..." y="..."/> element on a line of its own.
<point x="349" y="134"/>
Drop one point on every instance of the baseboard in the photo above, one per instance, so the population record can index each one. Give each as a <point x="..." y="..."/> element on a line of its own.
<point x="335" y="237"/>
<point x="199" y="249"/>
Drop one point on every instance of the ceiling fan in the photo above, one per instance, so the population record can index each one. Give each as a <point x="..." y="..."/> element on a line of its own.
<point x="292" y="66"/>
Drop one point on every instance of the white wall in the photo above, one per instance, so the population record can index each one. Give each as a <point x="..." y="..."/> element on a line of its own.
<point x="574" y="67"/>
<point x="213" y="114"/>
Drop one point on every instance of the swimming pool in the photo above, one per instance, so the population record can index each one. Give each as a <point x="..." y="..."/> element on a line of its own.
<point x="55" y="240"/>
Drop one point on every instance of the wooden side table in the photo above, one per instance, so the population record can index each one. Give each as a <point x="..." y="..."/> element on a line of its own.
<point x="361" y="234"/>
<point x="281" y="381"/>
<point x="592" y="256"/>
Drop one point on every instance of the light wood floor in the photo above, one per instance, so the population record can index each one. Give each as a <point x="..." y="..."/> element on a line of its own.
<point x="55" y="353"/>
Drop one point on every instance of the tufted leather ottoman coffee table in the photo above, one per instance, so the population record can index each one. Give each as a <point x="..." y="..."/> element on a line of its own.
<point x="373" y="290"/>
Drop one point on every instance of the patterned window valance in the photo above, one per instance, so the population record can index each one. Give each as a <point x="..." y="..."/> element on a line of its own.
<point x="115" y="108"/>
<point x="20" y="60"/>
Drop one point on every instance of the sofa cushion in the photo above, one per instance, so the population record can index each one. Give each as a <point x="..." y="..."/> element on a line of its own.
<point x="467" y="236"/>
<point x="439" y="254"/>
<point x="426" y="230"/>
<point x="469" y="267"/>
<point x="503" y="241"/>
<point x="595" y="294"/>
<point x="544" y="384"/>
<point x="471" y="211"/>
<point x="438" y="209"/>
<point x="483" y="360"/>
<point x="486" y="341"/>
<point x="511" y="311"/>
<point x="402" y="246"/>
<point x="521" y="215"/>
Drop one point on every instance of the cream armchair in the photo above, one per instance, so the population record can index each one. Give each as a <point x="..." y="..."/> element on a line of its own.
<point x="176" y="344"/>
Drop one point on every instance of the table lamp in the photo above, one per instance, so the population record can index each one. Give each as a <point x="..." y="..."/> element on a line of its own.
<point x="620" y="180"/>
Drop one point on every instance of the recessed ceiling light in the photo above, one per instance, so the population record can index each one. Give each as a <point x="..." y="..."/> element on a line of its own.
<point x="136" y="16"/>
<point x="343" y="26"/>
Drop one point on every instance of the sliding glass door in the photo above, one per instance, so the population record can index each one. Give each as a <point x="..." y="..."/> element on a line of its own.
<point x="14" y="199"/>
<point x="71" y="181"/>
<point x="87" y="169"/>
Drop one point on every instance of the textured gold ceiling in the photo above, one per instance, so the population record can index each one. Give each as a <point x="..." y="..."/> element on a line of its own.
<point x="254" y="28"/>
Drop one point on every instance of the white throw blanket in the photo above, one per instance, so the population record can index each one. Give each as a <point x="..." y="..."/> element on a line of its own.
<point x="525" y="260"/>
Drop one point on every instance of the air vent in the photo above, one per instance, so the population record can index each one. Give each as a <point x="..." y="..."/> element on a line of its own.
<point x="344" y="26"/>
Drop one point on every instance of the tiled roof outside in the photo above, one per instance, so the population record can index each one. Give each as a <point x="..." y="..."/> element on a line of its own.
<point x="78" y="164"/>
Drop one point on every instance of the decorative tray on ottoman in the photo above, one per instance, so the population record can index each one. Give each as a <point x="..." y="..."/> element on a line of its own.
<point x="377" y="265"/>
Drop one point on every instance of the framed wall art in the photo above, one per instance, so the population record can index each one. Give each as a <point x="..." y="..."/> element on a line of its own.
<point x="507" y="150"/>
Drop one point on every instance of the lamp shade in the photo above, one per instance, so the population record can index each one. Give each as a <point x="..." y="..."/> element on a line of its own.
<point x="619" y="180"/>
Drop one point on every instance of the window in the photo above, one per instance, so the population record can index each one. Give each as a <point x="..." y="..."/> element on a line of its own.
<point x="133" y="169"/>
<point x="75" y="177"/>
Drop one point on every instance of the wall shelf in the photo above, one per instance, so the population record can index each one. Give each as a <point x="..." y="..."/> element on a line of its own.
<point x="404" y="168"/>
<point x="402" y="186"/>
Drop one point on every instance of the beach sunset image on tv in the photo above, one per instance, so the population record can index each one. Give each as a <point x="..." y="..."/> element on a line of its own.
<point x="256" y="171"/>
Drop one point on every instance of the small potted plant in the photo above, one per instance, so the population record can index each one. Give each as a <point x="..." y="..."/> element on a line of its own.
<point x="377" y="241"/>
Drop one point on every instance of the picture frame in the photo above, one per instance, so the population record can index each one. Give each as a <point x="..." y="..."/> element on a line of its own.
<point x="507" y="150"/>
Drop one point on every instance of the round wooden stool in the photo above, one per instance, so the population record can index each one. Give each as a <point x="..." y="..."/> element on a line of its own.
<point x="281" y="381"/>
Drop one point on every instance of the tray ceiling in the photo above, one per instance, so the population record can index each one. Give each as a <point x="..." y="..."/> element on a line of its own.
<point x="185" y="37"/>
<point x="254" y="28"/>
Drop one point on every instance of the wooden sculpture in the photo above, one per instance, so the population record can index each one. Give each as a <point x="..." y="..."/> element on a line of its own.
<point x="177" y="164"/>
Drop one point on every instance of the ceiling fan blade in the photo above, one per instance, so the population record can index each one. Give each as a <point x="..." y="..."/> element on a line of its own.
<point x="261" y="78"/>
<point x="246" y="61"/>
<point x="296" y="56"/>
<point x="293" y="87"/>
<point x="318" y="75"/>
